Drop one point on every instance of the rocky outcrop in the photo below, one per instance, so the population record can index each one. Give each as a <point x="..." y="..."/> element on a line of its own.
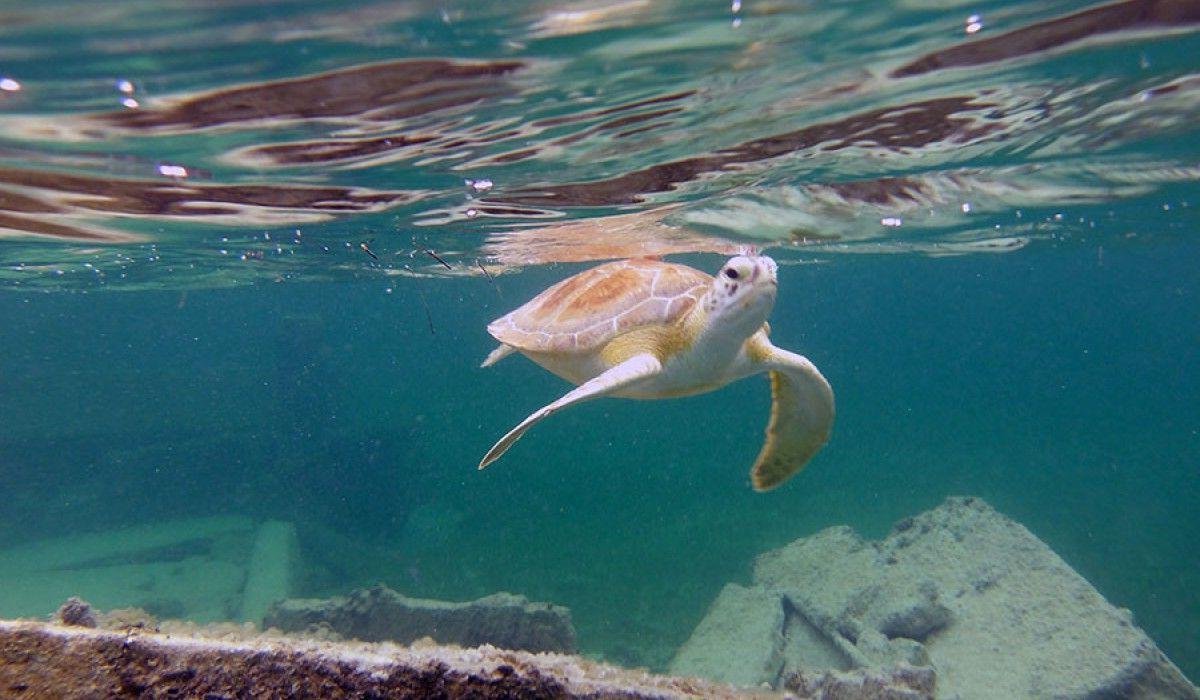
<point x="960" y="590"/>
<point x="40" y="660"/>
<point x="126" y="654"/>
<point x="739" y="642"/>
<point x="381" y="614"/>
<point x="901" y="682"/>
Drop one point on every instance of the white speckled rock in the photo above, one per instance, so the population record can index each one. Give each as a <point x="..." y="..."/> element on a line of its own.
<point x="999" y="614"/>
<point x="740" y="640"/>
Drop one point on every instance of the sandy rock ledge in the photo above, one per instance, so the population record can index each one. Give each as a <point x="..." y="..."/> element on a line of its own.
<point x="44" y="660"/>
<point x="222" y="662"/>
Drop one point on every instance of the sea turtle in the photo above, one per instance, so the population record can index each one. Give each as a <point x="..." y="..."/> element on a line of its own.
<point x="648" y="329"/>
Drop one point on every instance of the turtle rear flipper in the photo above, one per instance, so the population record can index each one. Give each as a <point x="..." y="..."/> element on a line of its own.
<point x="498" y="354"/>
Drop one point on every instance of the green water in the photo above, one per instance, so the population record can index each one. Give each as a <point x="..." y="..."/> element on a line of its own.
<point x="1029" y="333"/>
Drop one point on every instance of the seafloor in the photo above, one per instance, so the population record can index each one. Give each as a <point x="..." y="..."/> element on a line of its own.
<point x="958" y="602"/>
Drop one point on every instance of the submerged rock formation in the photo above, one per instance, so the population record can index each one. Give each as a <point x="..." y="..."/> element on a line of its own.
<point x="380" y="614"/>
<point x="960" y="590"/>
<point x="41" y="660"/>
<point x="125" y="654"/>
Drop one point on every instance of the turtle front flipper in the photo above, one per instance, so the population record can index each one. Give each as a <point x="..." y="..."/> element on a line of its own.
<point x="801" y="418"/>
<point x="631" y="371"/>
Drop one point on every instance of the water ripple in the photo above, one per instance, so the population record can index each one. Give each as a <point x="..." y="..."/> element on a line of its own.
<point x="220" y="147"/>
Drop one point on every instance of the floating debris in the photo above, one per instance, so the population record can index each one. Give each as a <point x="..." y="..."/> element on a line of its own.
<point x="437" y="257"/>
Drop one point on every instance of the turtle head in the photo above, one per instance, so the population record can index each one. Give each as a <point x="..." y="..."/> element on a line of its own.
<point x="743" y="293"/>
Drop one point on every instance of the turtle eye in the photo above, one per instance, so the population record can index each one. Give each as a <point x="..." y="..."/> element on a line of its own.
<point x="731" y="273"/>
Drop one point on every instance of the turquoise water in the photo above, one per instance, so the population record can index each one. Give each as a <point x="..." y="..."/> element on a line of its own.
<point x="987" y="243"/>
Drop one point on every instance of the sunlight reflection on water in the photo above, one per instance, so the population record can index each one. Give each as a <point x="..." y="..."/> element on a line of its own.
<point x="648" y="128"/>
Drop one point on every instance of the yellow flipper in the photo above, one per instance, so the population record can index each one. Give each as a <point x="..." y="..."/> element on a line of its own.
<point x="801" y="419"/>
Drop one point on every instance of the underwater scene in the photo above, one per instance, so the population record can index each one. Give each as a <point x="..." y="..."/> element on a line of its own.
<point x="250" y="252"/>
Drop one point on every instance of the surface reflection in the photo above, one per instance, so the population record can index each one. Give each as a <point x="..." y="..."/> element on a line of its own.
<point x="41" y="202"/>
<point x="625" y="128"/>
<point x="1043" y="36"/>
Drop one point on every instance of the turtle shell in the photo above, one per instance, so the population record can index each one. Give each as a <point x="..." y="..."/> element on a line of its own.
<point x="583" y="312"/>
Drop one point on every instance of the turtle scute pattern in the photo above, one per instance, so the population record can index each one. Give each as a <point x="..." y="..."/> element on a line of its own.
<point x="581" y="313"/>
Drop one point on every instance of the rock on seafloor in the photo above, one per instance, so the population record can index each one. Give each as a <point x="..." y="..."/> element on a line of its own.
<point x="972" y="597"/>
<point x="273" y="563"/>
<point x="380" y="614"/>
<point x="43" y="660"/>
<point x="125" y="654"/>
<point x="740" y="641"/>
